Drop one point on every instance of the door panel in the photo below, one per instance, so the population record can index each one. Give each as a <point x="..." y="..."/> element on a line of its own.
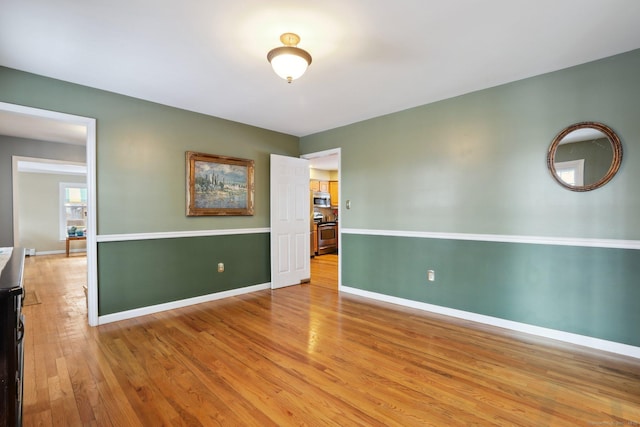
<point x="290" y="221"/>
<point x="283" y="254"/>
<point x="301" y="239"/>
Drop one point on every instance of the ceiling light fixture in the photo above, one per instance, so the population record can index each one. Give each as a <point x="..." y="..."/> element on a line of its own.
<point x="289" y="61"/>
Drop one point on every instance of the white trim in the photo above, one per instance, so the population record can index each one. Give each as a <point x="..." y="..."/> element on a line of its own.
<point x="178" y="234"/>
<point x="92" y="224"/>
<point x="143" y="311"/>
<point x="536" y="240"/>
<point x="58" y="252"/>
<point x="595" y="343"/>
<point x="92" y="257"/>
<point x="15" y="201"/>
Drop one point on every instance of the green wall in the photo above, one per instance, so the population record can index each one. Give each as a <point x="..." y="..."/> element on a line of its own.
<point x="470" y="164"/>
<point x="141" y="186"/>
<point x="141" y="153"/>
<point x="166" y="270"/>
<point x="475" y="164"/>
<point x="582" y="290"/>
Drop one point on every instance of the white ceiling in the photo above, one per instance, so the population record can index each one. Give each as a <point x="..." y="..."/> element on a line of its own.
<point x="32" y="127"/>
<point x="370" y="57"/>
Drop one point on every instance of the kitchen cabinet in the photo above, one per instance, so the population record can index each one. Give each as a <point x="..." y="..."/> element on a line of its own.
<point x="316" y="185"/>
<point x="333" y="191"/>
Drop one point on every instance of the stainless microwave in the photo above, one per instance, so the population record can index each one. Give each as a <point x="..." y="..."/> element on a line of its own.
<point x="321" y="200"/>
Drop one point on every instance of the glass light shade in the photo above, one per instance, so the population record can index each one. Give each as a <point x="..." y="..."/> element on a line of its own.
<point x="289" y="62"/>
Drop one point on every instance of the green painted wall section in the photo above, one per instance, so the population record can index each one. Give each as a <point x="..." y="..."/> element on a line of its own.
<point x="141" y="186"/>
<point x="140" y="273"/>
<point x="141" y="153"/>
<point x="477" y="163"/>
<point x="587" y="291"/>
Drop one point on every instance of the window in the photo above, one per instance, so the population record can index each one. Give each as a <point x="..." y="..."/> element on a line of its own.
<point x="571" y="172"/>
<point x="73" y="207"/>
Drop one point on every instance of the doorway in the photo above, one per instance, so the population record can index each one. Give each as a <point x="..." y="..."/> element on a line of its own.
<point x="325" y="266"/>
<point x="43" y="206"/>
<point x="27" y="122"/>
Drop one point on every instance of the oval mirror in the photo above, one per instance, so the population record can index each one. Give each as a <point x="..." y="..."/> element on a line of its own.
<point x="584" y="156"/>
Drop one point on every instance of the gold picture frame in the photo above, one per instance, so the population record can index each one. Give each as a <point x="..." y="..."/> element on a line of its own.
<point x="219" y="185"/>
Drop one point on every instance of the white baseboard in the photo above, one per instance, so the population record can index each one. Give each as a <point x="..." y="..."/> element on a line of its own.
<point x="58" y="252"/>
<point x="596" y="343"/>
<point x="143" y="311"/>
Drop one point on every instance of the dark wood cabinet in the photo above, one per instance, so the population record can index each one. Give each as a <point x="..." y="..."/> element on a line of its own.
<point x="11" y="336"/>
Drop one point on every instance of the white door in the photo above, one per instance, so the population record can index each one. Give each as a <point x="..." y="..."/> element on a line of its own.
<point x="290" y="221"/>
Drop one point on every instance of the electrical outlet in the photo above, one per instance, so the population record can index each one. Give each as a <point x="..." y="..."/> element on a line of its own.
<point x="431" y="275"/>
<point x="220" y="267"/>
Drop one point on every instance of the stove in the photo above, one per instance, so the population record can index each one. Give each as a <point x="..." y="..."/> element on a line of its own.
<point x="327" y="237"/>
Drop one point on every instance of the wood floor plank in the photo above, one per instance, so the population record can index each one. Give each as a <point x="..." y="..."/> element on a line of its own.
<point x="303" y="355"/>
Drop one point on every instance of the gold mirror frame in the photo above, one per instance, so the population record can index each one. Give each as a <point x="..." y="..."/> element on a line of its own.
<point x="616" y="147"/>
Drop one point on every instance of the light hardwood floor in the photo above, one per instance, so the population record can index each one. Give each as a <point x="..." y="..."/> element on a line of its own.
<point x="324" y="271"/>
<point x="303" y="355"/>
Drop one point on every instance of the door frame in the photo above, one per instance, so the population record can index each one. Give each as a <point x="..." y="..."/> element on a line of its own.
<point x="325" y="153"/>
<point x="92" y="248"/>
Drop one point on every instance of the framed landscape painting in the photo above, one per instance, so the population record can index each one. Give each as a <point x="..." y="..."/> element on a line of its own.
<point x="218" y="185"/>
